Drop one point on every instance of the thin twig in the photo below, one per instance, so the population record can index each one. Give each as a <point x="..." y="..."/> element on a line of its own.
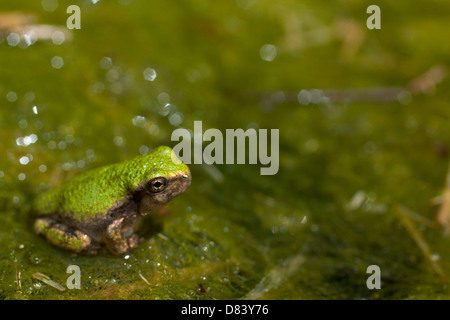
<point x="443" y="216"/>
<point x="142" y="277"/>
<point x="45" y="279"/>
<point x="404" y="216"/>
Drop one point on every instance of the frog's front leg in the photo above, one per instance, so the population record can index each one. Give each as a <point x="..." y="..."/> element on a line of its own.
<point x="64" y="237"/>
<point x="115" y="235"/>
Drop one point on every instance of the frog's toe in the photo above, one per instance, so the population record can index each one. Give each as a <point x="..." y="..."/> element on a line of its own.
<point x="134" y="241"/>
<point x="94" y="250"/>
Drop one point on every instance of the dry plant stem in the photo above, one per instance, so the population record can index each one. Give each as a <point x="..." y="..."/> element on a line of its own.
<point x="443" y="216"/>
<point x="45" y="279"/>
<point x="403" y="215"/>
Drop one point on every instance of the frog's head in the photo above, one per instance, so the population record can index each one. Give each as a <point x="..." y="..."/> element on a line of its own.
<point x="158" y="178"/>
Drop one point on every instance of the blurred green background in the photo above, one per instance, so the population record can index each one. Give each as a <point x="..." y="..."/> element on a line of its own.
<point x="308" y="232"/>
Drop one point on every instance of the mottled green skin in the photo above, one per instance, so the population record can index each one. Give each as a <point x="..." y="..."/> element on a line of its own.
<point x="94" y="192"/>
<point x="103" y="206"/>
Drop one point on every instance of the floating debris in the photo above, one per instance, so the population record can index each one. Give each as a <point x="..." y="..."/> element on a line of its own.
<point x="45" y="279"/>
<point x="357" y="200"/>
<point x="276" y="277"/>
<point x="18" y="282"/>
<point x="145" y="280"/>
<point x="443" y="216"/>
<point x="404" y="215"/>
<point x="19" y="29"/>
<point x="422" y="84"/>
<point x="201" y="288"/>
<point x="428" y="81"/>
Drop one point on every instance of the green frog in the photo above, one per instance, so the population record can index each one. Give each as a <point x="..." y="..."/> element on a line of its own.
<point x="103" y="207"/>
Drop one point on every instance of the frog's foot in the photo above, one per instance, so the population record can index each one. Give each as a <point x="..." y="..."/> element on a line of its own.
<point x="115" y="239"/>
<point x="64" y="237"/>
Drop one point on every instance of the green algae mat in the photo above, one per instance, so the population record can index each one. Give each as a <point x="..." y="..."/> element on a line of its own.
<point x="357" y="208"/>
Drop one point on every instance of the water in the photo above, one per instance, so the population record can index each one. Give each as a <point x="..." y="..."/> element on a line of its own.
<point x="137" y="70"/>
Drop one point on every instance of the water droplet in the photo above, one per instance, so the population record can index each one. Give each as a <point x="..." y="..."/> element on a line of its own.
<point x="30" y="38"/>
<point x="139" y="121"/>
<point x="149" y="74"/>
<point x="13" y="39"/>
<point x="116" y="88"/>
<point x="96" y="88"/>
<point x="163" y="98"/>
<point x="106" y="63"/>
<point x="57" y="62"/>
<point x="27" y="140"/>
<point x="268" y="52"/>
<point x="113" y="75"/>
<point x="69" y="138"/>
<point x="24" y="160"/>
<point x="317" y="96"/>
<point x="176" y="119"/>
<point x="29" y="96"/>
<point x="49" y="5"/>
<point x="144" y="149"/>
<point x="119" y="141"/>
<point x="51" y="144"/>
<point x="58" y="37"/>
<point x="35" y="110"/>
<point x="33" y="138"/>
<point x="153" y="129"/>
<point x="42" y="168"/>
<point x="11" y="96"/>
<point x="23" y="124"/>
<point x="304" y="97"/>
<point x="435" y="257"/>
<point x="67" y="166"/>
<point x="165" y="110"/>
<point x="22" y="176"/>
<point x="62" y="145"/>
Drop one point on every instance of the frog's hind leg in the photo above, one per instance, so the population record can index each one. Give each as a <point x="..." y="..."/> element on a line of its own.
<point x="64" y="237"/>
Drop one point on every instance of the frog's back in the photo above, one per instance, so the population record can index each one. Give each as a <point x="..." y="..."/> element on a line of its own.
<point x="97" y="191"/>
<point x="93" y="192"/>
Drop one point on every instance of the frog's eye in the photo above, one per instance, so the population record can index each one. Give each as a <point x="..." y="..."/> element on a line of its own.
<point x="157" y="184"/>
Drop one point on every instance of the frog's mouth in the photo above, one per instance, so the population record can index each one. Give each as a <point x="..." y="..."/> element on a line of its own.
<point x="176" y="185"/>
